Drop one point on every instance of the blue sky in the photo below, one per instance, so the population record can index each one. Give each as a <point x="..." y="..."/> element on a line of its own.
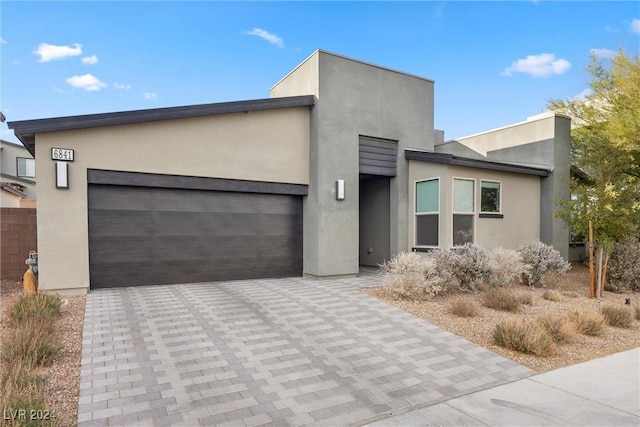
<point x="494" y="63"/>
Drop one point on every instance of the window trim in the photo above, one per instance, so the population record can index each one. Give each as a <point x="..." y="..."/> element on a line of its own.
<point x="416" y="246"/>
<point x="471" y="214"/>
<point x="499" y="211"/>
<point x="18" y="167"/>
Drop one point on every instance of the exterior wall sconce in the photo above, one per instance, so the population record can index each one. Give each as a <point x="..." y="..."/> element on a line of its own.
<point x="62" y="175"/>
<point x="340" y="189"/>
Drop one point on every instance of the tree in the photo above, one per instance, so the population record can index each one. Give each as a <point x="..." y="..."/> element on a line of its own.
<point x="606" y="147"/>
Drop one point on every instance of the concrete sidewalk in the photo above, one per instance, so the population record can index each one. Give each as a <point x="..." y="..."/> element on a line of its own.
<point x="600" y="392"/>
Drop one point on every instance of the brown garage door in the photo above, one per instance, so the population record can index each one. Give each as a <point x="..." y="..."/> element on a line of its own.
<point x="151" y="234"/>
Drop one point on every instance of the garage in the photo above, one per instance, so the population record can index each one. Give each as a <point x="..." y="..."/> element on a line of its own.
<point x="148" y="229"/>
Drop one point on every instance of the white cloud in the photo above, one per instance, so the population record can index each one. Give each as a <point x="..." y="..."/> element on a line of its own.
<point x="150" y="96"/>
<point x="49" y="52"/>
<point x="121" y="86"/>
<point x="635" y="26"/>
<point x="89" y="60"/>
<point x="538" y="65"/>
<point x="271" y="38"/>
<point x="3" y="41"/>
<point x="603" y="53"/>
<point x="611" y="30"/>
<point x="87" y="82"/>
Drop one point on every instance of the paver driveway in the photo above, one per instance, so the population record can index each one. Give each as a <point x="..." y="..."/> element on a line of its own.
<point x="278" y="351"/>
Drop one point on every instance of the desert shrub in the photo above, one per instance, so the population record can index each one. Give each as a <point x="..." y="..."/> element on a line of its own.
<point x="587" y="322"/>
<point x="624" y="269"/>
<point x="413" y="277"/>
<point x="561" y="329"/>
<point x="524" y="336"/>
<point x="506" y="266"/>
<point x="21" y="388"/>
<point x="550" y="295"/>
<point x="501" y="299"/>
<point x="570" y="294"/>
<point x="541" y="259"/>
<point x="620" y="317"/>
<point x="45" y="306"/>
<point x="468" y="265"/>
<point x="526" y="299"/>
<point x="463" y="307"/>
<point x="31" y="343"/>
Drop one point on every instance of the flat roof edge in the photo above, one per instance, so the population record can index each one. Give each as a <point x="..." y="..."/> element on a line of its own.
<point x="29" y="127"/>
<point x="450" y="159"/>
<point x="370" y="64"/>
<point x="530" y="119"/>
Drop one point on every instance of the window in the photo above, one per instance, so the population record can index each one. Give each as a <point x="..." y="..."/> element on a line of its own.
<point x="463" y="210"/>
<point x="427" y="212"/>
<point x="490" y="197"/>
<point x="26" y="167"/>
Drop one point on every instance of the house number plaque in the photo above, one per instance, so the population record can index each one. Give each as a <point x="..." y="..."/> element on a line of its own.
<point x="62" y="154"/>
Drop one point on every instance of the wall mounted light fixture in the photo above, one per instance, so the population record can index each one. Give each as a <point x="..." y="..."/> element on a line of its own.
<point x="62" y="175"/>
<point x="340" y="189"/>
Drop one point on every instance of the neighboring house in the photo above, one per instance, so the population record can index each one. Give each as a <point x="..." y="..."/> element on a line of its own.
<point x="340" y="167"/>
<point x="17" y="176"/>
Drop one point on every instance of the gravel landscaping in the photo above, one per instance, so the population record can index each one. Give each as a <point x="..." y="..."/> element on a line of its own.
<point x="574" y="289"/>
<point x="63" y="372"/>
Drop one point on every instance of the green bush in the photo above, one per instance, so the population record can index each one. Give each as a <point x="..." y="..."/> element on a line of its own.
<point x="620" y="317"/>
<point x="31" y="343"/>
<point x="524" y="336"/>
<point x="624" y="268"/>
<point x="587" y="322"/>
<point x="45" y="306"/>
<point x="501" y="299"/>
<point x="463" y="307"/>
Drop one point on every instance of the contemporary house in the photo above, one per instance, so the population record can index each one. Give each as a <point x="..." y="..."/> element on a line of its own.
<point x="340" y="167"/>
<point x="17" y="176"/>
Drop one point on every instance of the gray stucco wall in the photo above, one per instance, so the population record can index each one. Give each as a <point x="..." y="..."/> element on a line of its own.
<point x="354" y="98"/>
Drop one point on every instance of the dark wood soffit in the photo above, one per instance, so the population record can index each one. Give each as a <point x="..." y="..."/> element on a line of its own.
<point x="137" y="179"/>
<point x="450" y="159"/>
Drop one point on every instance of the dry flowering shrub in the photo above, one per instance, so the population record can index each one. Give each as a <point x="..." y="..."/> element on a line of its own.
<point x="540" y="260"/>
<point x="413" y="277"/>
<point x="506" y="266"/>
<point x="469" y="265"/>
